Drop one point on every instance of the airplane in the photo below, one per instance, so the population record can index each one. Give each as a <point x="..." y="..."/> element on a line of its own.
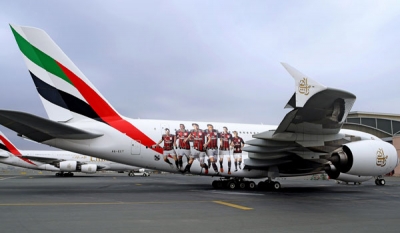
<point x="309" y="140"/>
<point x="64" y="163"/>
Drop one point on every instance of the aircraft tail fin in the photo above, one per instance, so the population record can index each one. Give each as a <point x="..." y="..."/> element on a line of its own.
<point x="7" y="145"/>
<point x="65" y="92"/>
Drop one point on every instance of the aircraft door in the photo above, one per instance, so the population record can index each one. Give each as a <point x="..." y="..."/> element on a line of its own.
<point x="135" y="148"/>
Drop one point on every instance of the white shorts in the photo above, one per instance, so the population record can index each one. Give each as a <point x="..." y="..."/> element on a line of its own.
<point x="200" y="155"/>
<point x="169" y="152"/>
<point x="237" y="155"/>
<point x="184" y="152"/>
<point x="225" y="153"/>
<point x="213" y="153"/>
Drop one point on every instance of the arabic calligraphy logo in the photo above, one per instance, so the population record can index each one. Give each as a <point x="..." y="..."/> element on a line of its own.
<point x="304" y="88"/>
<point x="381" y="158"/>
<point x="69" y="166"/>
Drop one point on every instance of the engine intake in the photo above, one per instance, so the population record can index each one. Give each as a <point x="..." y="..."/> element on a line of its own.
<point x="365" y="158"/>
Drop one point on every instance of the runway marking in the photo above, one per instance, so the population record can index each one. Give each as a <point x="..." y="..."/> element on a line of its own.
<point x="233" y="205"/>
<point x="138" y="184"/>
<point x="8" y="178"/>
<point x="121" y="203"/>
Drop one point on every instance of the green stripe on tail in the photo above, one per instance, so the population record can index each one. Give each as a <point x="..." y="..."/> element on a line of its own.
<point x="38" y="57"/>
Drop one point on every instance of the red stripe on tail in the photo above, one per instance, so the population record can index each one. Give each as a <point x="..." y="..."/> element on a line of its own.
<point x="14" y="150"/>
<point x="106" y="112"/>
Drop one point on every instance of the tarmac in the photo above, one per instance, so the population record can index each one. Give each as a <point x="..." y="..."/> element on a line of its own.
<point x="113" y="202"/>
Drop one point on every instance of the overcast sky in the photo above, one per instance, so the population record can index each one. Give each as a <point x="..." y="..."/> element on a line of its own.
<point x="209" y="60"/>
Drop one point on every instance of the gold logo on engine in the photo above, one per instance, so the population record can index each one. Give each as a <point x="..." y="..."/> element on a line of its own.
<point x="381" y="158"/>
<point x="304" y="88"/>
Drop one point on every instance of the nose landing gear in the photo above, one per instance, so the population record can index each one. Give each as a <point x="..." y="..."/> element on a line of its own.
<point x="380" y="181"/>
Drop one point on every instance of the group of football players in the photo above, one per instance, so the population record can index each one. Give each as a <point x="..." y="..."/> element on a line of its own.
<point x="204" y="143"/>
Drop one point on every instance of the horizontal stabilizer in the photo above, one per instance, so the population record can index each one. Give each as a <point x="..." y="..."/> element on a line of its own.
<point x="41" y="129"/>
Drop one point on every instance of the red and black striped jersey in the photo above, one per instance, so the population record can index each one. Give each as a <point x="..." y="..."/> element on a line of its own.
<point x="168" y="141"/>
<point x="237" y="144"/>
<point x="181" y="136"/>
<point x="198" y="139"/>
<point x="226" y="140"/>
<point x="213" y="137"/>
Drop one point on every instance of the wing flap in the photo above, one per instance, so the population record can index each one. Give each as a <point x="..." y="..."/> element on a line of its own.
<point x="264" y="164"/>
<point x="41" y="129"/>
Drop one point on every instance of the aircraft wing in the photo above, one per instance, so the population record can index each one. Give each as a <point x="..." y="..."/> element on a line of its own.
<point x="40" y="129"/>
<point x="317" y="109"/>
<point x="297" y="145"/>
<point x="47" y="160"/>
<point x="53" y="160"/>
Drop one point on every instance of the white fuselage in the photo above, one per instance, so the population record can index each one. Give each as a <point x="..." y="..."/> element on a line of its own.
<point x="117" y="146"/>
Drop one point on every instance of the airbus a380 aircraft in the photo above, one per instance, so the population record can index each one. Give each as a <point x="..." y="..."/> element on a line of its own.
<point x="64" y="163"/>
<point x="309" y="140"/>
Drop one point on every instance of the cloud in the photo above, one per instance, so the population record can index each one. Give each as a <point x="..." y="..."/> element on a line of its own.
<point x="210" y="60"/>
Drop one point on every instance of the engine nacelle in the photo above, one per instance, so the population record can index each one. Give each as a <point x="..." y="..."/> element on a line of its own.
<point x="352" y="178"/>
<point x="89" y="168"/>
<point x="68" y="166"/>
<point x="365" y="158"/>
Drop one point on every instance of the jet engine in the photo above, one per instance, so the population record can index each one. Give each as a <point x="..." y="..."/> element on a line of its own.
<point x="363" y="158"/>
<point x="352" y="178"/>
<point x="68" y="166"/>
<point x="89" y="168"/>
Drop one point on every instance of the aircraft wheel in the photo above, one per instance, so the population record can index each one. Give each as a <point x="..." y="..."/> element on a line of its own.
<point x="220" y="184"/>
<point x="261" y="185"/>
<point x="242" y="185"/>
<point x="251" y="185"/>
<point x="382" y="182"/>
<point x="231" y="185"/>
<point x="215" y="184"/>
<point x="57" y="174"/>
<point x="144" y="174"/>
<point x="377" y="182"/>
<point x="276" y="185"/>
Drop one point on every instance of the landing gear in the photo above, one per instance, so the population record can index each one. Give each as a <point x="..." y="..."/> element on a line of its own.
<point x="233" y="183"/>
<point x="64" y="174"/>
<point x="131" y="174"/>
<point x="380" y="181"/>
<point x="269" y="185"/>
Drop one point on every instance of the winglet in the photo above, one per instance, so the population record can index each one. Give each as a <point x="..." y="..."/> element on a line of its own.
<point x="305" y="86"/>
